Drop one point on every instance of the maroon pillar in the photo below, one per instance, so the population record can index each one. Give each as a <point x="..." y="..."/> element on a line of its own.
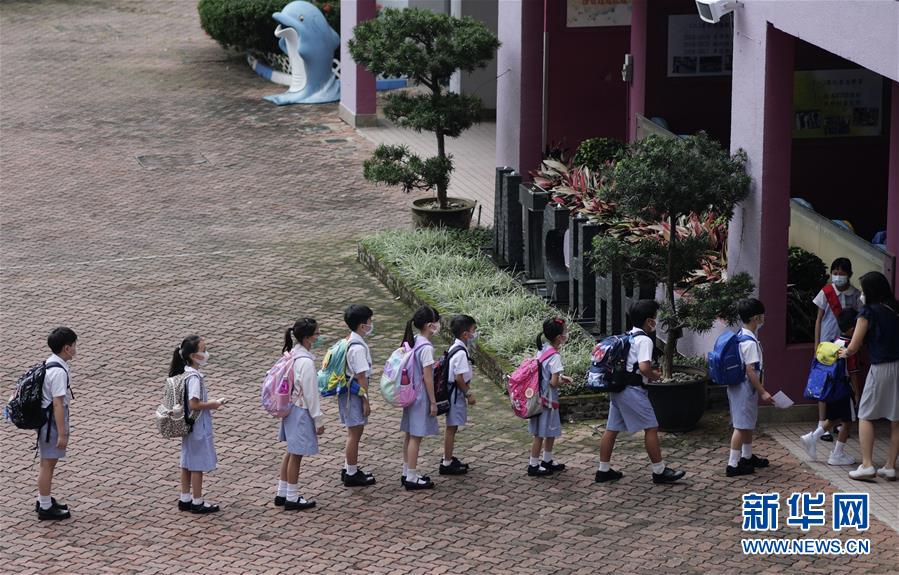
<point x="637" y="88"/>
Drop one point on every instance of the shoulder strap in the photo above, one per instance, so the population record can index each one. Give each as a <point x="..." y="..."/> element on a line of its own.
<point x="60" y="366"/>
<point x="833" y="300"/>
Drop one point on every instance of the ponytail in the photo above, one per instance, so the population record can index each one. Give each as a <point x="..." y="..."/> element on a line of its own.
<point x="302" y="328"/>
<point x="408" y="336"/>
<point x="422" y="317"/>
<point x="539" y="341"/>
<point x="180" y="359"/>
<point x="288" y="340"/>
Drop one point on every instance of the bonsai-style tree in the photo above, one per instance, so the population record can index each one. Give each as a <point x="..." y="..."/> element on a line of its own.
<point x="678" y="194"/>
<point x="427" y="48"/>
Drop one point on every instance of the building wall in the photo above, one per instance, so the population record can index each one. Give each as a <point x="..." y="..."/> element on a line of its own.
<point x="481" y="82"/>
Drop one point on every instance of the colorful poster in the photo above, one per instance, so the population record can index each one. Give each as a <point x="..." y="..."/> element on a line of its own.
<point x="595" y="13"/>
<point x="837" y="103"/>
<point x="696" y="48"/>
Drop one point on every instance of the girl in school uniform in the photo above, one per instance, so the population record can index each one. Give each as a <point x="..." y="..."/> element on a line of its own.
<point x="420" y="418"/>
<point x="197" y="447"/>
<point x="547" y="426"/>
<point x="305" y="422"/>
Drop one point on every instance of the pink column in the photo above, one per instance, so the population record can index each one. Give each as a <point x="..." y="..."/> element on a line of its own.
<point x="358" y="104"/>
<point x="637" y="89"/>
<point x="893" y="186"/>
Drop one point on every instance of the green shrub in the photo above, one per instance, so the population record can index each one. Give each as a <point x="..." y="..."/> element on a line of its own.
<point x="248" y="24"/>
<point x="595" y="152"/>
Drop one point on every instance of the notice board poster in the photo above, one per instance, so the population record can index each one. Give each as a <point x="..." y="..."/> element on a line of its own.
<point x="837" y="103"/>
<point x="696" y="48"/>
<point x="595" y="13"/>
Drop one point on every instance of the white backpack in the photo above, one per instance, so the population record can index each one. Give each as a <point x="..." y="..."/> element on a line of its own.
<point x="173" y="417"/>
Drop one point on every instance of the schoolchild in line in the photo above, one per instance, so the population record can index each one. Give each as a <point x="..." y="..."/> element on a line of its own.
<point x="305" y="422"/>
<point x="547" y="426"/>
<point x="197" y="447"/>
<point x="354" y="408"/>
<point x="744" y="397"/>
<point x="877" y="327"/>
<point x="420" y="418"/>
<point x="53" y="437"/>
<point x="842" y="411"/>
<point x="459" y="373"/>
<point x="630" y="409"/>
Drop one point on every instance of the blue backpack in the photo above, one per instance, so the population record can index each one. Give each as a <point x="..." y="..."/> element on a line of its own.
<point x="725" y="363"/>
<point x="827" y="382"/>
<point x="608" y="370"/>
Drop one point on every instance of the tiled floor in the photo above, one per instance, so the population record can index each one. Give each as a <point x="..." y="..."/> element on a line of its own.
<point x="884" y="495"/>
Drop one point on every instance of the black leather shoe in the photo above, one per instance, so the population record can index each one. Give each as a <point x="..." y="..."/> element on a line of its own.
<point x="667" y="476"/>
<point x="538" y="471"/>
<point x="53" y="503"/>
<point x="610" y="475"/>
<point x="203" y="508"/>
<point x="740" y="469"/>
<point x="279" y="500"/>
<point x="299" y="504"/>
<point x="754" y="461"/>
<point x="184" y="505"/>
<point x="422" y="483"/>
<point x="358" y="479"/>
<point x="455" y="467"/>
<point x="826" y="437"/>
<point x="553" y="466"/>
<point x="52" y="514"/>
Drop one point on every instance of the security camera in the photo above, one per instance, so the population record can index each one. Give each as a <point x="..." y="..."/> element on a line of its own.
<point x="711" y="11"/>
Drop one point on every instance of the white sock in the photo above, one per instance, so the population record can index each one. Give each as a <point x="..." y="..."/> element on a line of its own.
<point x="405" y="470"/>
<point x="447" y="462"/>
<point x="604" y="466"/>
<point x="532" y="461"/>
<point x="658" y="467"/>
<point x="820" y="430"/>
<point x="412" y="476"/>
<point x="345" y="464"/>
<point x="45" y="502"/>
<point x="282" y="488"/>
<point x="747" y="451"/>
<point x="351" y="469"/>
<point x="548" y="456"/>
<point x="734" y="458"/>
<point x="185" y="498"/>
<point x="197" y="501"/>
<point x="838" y="447"/>
<point x="292" y="492"/>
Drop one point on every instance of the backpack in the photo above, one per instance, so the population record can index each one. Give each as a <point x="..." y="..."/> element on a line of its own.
<point x="24" y="407"/>
<point x="173" y="418"/>
<point x="443" y="387"/>
<point x="397" y="388"/>
<point x="277" y="386"/>
<point x="608" y="370"/>
<point x="725" y="363"/>
<point x="332" y="375"/>
<point x="525" y="387"/>
<point x="827" y="382"/>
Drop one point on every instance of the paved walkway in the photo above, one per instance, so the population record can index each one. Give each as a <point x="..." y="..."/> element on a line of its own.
<point x="148" y="193"/>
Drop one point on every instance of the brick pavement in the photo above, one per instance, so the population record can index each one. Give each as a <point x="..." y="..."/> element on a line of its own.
<point x="234" y="248"/>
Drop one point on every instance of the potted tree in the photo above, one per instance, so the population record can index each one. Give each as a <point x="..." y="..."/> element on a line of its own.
<point x="427" y="48"/>
<point x="678" y="195"/>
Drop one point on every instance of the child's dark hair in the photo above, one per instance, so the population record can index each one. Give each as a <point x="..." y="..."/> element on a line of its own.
<point x="61" y="337"/>
<point x="643" y="310"/>
<point x="876" y="289"/>
<point x="842" y="264"/>
<point x="355" y="315"/>
<point x="181" y="357"/>
<point x="460" y="324"/>
<point x="552" y="328"/>
<point x="302" y="328"/>
<point x="422" y="317"/>
<point x="749" y="308"/>
<point x="846" y="319"/>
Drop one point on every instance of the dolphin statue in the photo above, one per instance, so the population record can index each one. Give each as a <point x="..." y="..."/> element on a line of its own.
<point x="309" y="42"/>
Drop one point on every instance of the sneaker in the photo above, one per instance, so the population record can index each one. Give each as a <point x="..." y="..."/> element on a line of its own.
<point x="53" y="503"/>
<point x="299" y="504"/>
<point x="808" y="443"/>
<point x="553" y="466"/>
<point x="610" y="475"/>
<point x="667" y="476"/>
<point x="754" y="461"/>
<point x="455" y="467"/>
<point x="841" y="459"/>
<point x="422" y="483"/>
<point x="740" y="469"/>
<point x="827" y="436"/>
<point x="863" y="473"/>
<point x="888" y="474"/>
<point x="358" y="479"/>
<point x="184" y="505"/>
<point x="279" y="500"/>
<point x="203" y="508"/>
<point x="52" y="514"/>
<point x="538" y="471"/>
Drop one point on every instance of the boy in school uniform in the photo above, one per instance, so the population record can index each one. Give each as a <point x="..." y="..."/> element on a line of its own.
<point x="630" y="409"/>
<point x="53" y="437"/>
<point x="744" y="398"/>
<point x="355" y="408"/>
<point x="459" y="372"/>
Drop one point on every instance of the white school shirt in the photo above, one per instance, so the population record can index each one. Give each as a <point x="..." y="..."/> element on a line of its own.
<point x="640" y="351"/>
<point x="425" y="353"/>
<point x="305" y="382"/>
<point x="849" y="299"/>
<point x="194" y="384"/>
<point x="458" y="364"/>
<point x="551" y="366"/>
<point x="751" y="351"/>
<point x="55" y="382"/>
<point x="358" y="357"/>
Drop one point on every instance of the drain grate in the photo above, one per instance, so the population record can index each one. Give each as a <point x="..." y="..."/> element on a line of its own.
<point x="313" y="128"/>
<point x="170" y="161"/>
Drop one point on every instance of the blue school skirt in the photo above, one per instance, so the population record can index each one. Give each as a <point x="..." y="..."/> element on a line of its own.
<point x="298" y="430"/>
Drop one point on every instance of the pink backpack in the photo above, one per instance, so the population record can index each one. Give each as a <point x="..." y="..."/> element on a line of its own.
<point x="277" y="387"/>
<point x="408" y="392"/>
<point x="524" y="387"/>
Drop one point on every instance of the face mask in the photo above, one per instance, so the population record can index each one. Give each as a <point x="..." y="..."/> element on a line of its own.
<point x="839" y="280"/>
<point x="473" y="338"/>
<point x="371" y="330"/>
<point x="436" y="327"/>
<point x="862" y="299"/>
<point x="204" y="358"/>
<point x="317" y="342"/>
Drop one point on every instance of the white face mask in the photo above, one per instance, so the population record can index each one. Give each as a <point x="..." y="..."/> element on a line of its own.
<point x="839" y="280"/>
<point x="436" y="327"/>
<point x="204" y="358"/>
<point x="474" y="337"/>
<point x="371" y="330"/>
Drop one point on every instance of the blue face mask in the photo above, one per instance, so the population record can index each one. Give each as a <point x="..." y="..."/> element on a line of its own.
<point x="317" y="342"/>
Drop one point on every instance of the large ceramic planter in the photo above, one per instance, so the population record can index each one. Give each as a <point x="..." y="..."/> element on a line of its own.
<point x="679" y="405"/>
<point x="457" y="216"/>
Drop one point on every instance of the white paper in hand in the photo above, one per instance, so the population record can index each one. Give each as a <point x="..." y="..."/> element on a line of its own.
<point x="781" y="400"/>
